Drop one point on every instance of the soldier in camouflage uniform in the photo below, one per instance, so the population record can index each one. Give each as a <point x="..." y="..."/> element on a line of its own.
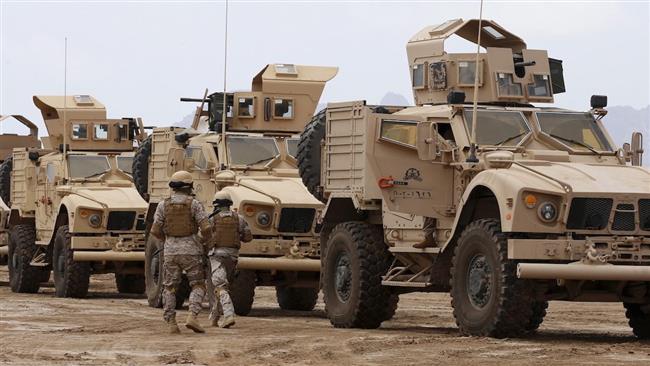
<point x="229" y="229"/>
<point x="177" y="221"/>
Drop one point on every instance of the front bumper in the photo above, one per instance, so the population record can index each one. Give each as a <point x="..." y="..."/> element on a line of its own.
<point x="617" y="249"/>
<point x="121" y="243"/>
<point x="271" y="247"/>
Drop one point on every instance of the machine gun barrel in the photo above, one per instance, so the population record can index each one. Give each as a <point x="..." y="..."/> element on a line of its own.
<point x="196" y="100"/>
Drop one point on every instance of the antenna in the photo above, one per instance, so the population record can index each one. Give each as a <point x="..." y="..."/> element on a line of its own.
<point x="65" y="95"/>
<point x="472" y="149"/>
<point x="225" y="64"/>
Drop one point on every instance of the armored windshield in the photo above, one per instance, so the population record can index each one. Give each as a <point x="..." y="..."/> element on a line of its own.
<point x="498" y="128"/>
<point x="125" y="164"/>
<point x="87" y="166"/>
<point x="247" y="150"/>
<point x="292" y="147"/>
<point x="578" y="131"/>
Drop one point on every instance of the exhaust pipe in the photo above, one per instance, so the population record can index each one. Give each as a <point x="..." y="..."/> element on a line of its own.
<point x="279" y="264"/>
<point x="583" y="272"/>
<point x="108" y="256"/>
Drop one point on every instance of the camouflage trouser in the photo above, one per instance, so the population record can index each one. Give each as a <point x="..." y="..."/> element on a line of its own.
<point x="173" y="268"/>
<point x="223" y="268"/>
<point x="429" y="227"/>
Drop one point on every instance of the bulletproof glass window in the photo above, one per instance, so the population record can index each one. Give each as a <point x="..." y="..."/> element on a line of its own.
<point x="578" y="131"/>
<point x="399" y="132"/>
<point x="283" y="108"/>
<point x="196" y="153"/>
<point x="292" y="147"/>
<point x="123" y="131"/>
<point x="248" y="150"/>
<point x="246" y="107"/>
<point x="498" y="128"/>
<point x="418" y="76"/>
<point x="288" y="69"/>
<point x="541" y="87"/>
<point x="125" y="164"/>
<point x="438" y="75"/>
<point x="83" y="100"/>
<point x="467" y="73"/>
<point x="79" y="131"/>
<point x="87" y="166"/>
<point x="100" y="131"/>
<point x="50" y="172"/>
<point x="506" y="87"/>
<point x="493" y="32"/>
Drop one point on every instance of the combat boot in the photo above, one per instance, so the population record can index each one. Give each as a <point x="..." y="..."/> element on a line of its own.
<point x="193" y="323"/>
<point x="227" y="321"/>
<point x="428" y="242"/>
<point x="214" y="320"/>
<point x="173" y="326"/>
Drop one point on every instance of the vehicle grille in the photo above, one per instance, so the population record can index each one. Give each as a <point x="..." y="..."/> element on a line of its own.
<point x="121" y="220"/>
<point x="296" y="220"/>
<point x="644" y="214"/>
<point x="589" y="213"/>
<point x="624" y="217"/>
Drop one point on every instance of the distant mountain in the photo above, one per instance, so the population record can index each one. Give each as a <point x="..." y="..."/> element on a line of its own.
<point x="621" y="121"/>
<point x="394" y="99"/>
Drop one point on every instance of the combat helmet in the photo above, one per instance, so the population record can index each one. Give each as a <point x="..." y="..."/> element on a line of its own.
<point x="222" y="199"/>
<point x="181" y="179"/>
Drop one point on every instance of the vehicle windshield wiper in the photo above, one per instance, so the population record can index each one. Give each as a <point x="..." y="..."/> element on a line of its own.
<point x="95" y="175"/>
<point x="510" y="138"/>
<point x="579" y="143"/>
<point x="261" y="161"/>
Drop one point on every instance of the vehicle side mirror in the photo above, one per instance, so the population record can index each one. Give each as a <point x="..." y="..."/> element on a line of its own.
<point x="427" y="142"/>
<point x="636" y="149"/>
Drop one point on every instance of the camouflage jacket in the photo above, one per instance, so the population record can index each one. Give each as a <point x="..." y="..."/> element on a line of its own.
<point x="187" y="244"/>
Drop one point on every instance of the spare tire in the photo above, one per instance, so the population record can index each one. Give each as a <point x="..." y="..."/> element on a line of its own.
<point x="140" y="168"/>
<point x="5" y="180"/>
<point x="309" y="153"/>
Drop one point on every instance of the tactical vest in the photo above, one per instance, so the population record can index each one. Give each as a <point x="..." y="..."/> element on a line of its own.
<point x="225" y="230"/>
<point x="179" y="220"/>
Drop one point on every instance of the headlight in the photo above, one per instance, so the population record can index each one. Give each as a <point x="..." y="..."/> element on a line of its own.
<point x="547" y="212"/>
<point x="95" y="220"/>
<point x="263" y="218"/>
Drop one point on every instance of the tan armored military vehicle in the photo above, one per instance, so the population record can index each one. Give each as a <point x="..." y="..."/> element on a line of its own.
<point x="255" y="162"/>
<point x="548" y="209"/>
<point x="9" y="141"/>
<point x="74" y="208"/>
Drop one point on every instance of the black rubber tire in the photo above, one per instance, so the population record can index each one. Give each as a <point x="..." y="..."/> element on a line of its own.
<point x="539" y="313"/>
<point x="129" y="283"/>
<point x="639" y="319"/>
<point x="296" y="298"/>
<point x="71" y="279"/>
<point x="309" y="153"/>
<point x="508" y="302"/>
<point x="24" y="278"/>
<point x="242" y="291"/>
<point x="140" y="168"/>
<point x="5" y="180"/>
<point x="153" y="279"/>
<point x="362" y="302"/>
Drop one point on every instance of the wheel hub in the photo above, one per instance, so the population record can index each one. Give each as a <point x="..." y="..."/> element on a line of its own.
<point x="479" y="281"/>
<point x="343" y="277"/>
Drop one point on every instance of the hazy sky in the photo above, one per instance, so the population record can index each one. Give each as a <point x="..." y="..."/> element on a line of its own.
<point x="139" y="57"/>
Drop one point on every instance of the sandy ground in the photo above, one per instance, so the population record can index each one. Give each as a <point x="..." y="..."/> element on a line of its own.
<point x="111" y="329"/>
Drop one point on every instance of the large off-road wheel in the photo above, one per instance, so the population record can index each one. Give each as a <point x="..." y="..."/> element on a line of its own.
<point x="5" y="180"/>
<point x="487" y="297"/>
<point x="71" y="279"/>
<point x="129" y="283"/>
<point x="639" y="319"/>
<point x="153" y="274"/>
<point x="242" y="291"/>
<point x="309" y="153"/>
<point x="296" y="298"/>
<point x="140" y="168"/>
<point x="355" y="261"/>
<point x="22" y="247"/>
<point x="539" y="312"/>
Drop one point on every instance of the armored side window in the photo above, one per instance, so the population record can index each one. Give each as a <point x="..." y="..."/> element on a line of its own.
<point x="467" y="73"/>
<point x="100" y="131"/>
<point x="283" y="108"/>
<point x="540" y="88"/>
<point x="79" y="131"/>
<point x="399" y="132"/>
<point x="246" y="107"/>
<point x="438" y="75"/>
<point x="50" y="172"/>
<point x="506" y="87"/>
<point x="419" y="77"/>
<point x="123" y="132"/>
<point x="196" y="153"/>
